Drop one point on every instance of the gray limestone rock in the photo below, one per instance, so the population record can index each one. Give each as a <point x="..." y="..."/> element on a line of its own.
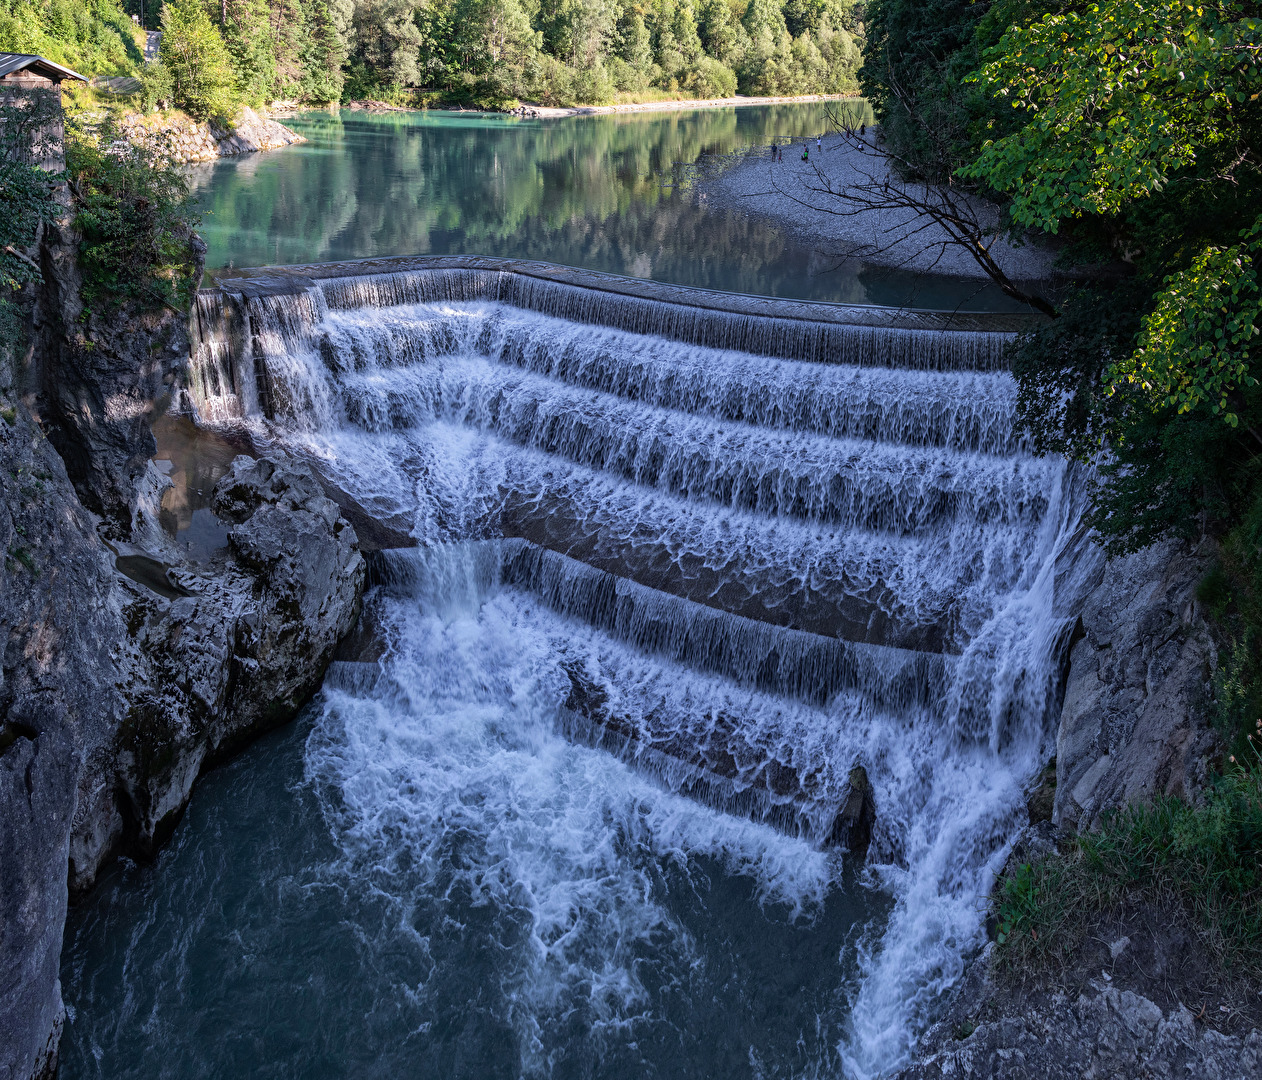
<point x="237" y="654"/>
<point x="94" y="380"/>
<point x="1133" y="725"/>
<point x="60" y="620"/>
<point x="1101" y="1032"/>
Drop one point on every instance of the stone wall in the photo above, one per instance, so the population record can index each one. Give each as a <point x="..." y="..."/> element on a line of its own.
<point x="183" y="140"/>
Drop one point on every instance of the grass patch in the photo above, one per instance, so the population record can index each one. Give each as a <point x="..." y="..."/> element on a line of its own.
<point x="1206" y="860"/>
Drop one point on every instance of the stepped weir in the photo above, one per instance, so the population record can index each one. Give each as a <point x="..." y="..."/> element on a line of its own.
<point x="789" y="559"/>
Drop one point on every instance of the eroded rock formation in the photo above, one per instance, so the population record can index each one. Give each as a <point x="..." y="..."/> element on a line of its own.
<point x="127" y="672"/>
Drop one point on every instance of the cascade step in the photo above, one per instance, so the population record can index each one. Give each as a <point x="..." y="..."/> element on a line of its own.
<point x="807" y="667"/>
<point x="845" y="482"/>
<point x="696" y="744"/>
<point x="963" y="411"/>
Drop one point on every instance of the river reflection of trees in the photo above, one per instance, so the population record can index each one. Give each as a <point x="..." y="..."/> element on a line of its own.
<point x="590" y="191"/>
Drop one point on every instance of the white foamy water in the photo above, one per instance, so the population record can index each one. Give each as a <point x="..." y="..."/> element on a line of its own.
<point x="448" y="779"/>
<point x="751" y="565"/>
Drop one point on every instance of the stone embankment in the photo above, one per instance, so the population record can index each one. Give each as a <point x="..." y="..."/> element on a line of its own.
<point x="182" y="140"/>
<point x="128" y="670"/>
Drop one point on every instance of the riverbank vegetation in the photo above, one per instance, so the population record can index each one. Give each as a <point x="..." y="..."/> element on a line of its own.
<point x="134" y="219"/>
<point x="1202" y="862"/>
<point x="217" y="55"/>
<point x="1128" y="133"/>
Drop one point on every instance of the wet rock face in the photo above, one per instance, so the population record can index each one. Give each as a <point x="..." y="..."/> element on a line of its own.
<point x="59" y="615"/>
<point x="116" y="694"/>
<point x="1134" y="722"/>
<point x="238" y="653"/>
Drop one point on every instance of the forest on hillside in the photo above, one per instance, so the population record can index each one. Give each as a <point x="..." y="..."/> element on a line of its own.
<point x="219" y="54"/>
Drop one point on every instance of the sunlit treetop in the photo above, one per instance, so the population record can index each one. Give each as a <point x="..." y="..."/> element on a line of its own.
<point x="1118" y="97"/>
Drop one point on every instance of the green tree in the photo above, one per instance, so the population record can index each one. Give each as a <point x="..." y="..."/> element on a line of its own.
<point x="135" y="220"/>
<point x="387" y="42"/>
<point x="246" y="31"/>
<point x="1116" y="99"/>
<point x="202" y="80"/>
<point x="323" y="49"/>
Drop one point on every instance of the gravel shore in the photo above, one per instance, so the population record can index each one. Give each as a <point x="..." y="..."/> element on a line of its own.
<point x="551" y="112"/>
<point x="781" y="191"/>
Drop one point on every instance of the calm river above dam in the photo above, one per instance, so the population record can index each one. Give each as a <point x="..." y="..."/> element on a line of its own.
<point x="575" y="802"/>
<point x="601" y="192"/>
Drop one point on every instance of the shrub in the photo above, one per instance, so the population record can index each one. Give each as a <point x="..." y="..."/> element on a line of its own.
<point x="94" y="37"/>
<point x="710" y="79"/>
<point x="135" y="218"/>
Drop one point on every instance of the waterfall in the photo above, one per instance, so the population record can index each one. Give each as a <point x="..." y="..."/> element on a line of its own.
<point x="742" y="546"/>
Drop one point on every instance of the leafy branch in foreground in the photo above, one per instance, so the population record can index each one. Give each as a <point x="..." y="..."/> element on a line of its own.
<point x="1118" y="97"/>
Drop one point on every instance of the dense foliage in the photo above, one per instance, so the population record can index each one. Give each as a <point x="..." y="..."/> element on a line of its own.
<point x="134" y="217"/>
<point x="135" y="221"/>
<point x="93" y="37"/>
<point x="194" y="61"/>
<point x="220" y="54"/>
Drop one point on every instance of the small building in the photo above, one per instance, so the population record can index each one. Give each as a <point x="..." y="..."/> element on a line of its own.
<point x="23" y="80"/>
<point x="22" y="71"/>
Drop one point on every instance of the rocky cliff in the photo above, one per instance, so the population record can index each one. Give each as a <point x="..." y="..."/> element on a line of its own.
<point x="128" y="670"/>
<point x="1133" y="724"/>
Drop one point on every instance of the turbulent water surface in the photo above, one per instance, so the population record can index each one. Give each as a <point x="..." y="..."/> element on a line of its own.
<point x="603" y="192"/>
<point x="572" y="806"/>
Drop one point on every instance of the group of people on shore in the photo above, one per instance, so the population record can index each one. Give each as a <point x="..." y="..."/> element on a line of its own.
<point x="777" y="150"/>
